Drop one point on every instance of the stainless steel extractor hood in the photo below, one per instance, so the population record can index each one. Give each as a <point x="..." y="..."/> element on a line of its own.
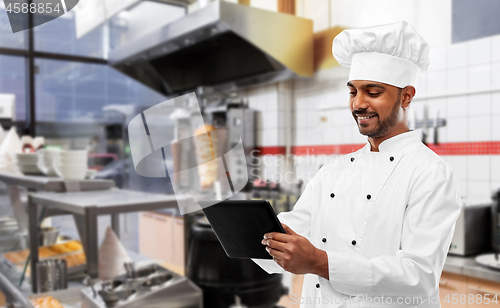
<point x="224" y="45"/>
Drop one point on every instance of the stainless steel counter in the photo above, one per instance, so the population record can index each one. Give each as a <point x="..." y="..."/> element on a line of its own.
<point x="467" y="266"/>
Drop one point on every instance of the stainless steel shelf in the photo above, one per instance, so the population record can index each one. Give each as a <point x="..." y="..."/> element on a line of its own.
<point x="467" y="266"/>
<point x="86" y="207"/>
<point x="43" y="183"/>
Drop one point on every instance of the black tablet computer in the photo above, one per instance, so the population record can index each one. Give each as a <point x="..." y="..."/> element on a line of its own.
<point x="240" y="226"/>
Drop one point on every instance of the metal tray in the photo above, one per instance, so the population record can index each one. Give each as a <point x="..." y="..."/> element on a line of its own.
<point x="70" y="298"/>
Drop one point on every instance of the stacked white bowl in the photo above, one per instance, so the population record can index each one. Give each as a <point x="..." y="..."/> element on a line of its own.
<point x="71" y="165"/>
<point x="28" y="163"/>
<point x="46" y="160"/>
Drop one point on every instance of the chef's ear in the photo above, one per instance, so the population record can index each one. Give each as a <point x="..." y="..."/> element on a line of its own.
<point x="407" y="95"/>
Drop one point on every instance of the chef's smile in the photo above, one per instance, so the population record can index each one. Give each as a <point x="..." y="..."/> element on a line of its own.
<point x="364" y="120"/>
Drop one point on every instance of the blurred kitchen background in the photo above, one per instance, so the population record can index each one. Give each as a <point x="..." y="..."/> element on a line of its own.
<point x="263" y="68"/>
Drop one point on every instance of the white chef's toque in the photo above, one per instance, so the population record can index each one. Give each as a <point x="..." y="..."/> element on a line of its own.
<point x="393" y="54"/>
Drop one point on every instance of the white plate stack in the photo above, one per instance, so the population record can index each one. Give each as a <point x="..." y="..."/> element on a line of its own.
<point x="71" y="165"/>
<point x="28" y="163"/>
<point x="46" y="160"/>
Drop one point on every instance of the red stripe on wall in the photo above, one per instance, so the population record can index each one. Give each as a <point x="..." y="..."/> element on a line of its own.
<point x="449" y="148"/>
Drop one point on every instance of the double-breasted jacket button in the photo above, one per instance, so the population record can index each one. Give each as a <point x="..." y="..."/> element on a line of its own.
<point x="391" y="158"/>
<point x="332" y="195"/>
<point x="353" y="242"/>
<point x="368" y="197"/>
<point x="324" y="240"/>
<point x="317" y="285"/>
<point x="352" y="159"/>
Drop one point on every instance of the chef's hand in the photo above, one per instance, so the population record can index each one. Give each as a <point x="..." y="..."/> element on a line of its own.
<point x="295" y="254"/>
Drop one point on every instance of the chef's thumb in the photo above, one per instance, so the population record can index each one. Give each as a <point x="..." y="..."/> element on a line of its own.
<point x="288" y="230"/>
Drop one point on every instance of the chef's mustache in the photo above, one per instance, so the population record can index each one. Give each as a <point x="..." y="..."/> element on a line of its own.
<point x="363" y="113"/>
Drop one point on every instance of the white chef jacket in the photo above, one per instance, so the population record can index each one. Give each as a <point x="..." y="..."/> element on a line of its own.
<point x="385" y="219"/>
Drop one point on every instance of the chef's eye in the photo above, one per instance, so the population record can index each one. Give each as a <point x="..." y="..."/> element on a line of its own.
<point x="352" y="93"/>
<point x="374" y="94"/>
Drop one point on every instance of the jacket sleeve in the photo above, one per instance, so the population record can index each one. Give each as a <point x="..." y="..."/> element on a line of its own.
<point x="298" y="219"/>
<point x="432" y="210"/>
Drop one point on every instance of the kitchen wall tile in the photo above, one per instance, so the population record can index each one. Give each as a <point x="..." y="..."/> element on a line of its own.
<point x="342" y="117"/>
<point x="436" y="82"/>
<point x="495" y="167"/>
<point x="478" y="167"/>
<point x="346" y="134"/>
<point x="438" y="59"/>
<point x="422" y="85"/>
<point x="456" y="80"/>
<point x="270" y="119"/>
<point x="495" y="186"/>
<point x="479" y="51"/>
<point x="480" y="77"/>
<point x="312" y="118"/>
<point x="495" y="42"/>
<point x="270" y="137"/>
<point x="495" y="75"/>
<point x="457" y="106"/>
<point x="463" y="188"/>
<point x="495" y="127"/>
<point x="480" y="128"/>
<point x="357" y="138"/>
<point x="479" y="104"/>
<point x="281" y="137"/>
<point x="301" y="137"/>
<point x="459" y="165"/>
<point x="456" y="55"/>
<point x="457" y="129"/>
<point x="332" y="135"/>
<point x="479" y="190"/>
<point x="259" y="136"/>
<point x="301" y="101"/>
<point x="495" y="103"/>
<point x="437" y="106"/>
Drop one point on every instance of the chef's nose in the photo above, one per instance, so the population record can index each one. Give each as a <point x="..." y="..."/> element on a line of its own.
<point x="359" y="102"/>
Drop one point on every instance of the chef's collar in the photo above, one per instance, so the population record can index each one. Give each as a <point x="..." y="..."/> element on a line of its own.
<point x="396" y="143"/>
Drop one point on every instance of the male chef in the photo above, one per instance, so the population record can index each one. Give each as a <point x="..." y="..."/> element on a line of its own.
<point x="372" y="229"/>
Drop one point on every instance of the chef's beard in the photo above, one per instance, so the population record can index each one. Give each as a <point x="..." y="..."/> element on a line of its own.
<point x="383" y="127"/>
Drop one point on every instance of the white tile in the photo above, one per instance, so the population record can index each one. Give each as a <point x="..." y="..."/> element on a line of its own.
<point x="437" y="106"/>
<point x="495" y="42"/>
<point x="495" y="186"/>
<point x="479" y="51"/>
<point x="270" y="137"/>
<point x="315" y="136"/>
<point x="459" y="165"/>
<point x="332" y="135"/>
<point x="478" y="167"/>
<point x="301" y="137"/>
<point x="270" y="119"/>
<point x="438" y="59"/>
<point x="456" y="55"/>
<point x="436" y="82"/>
<point x="480" y="128"/>
<point x="495" y="103"/>
<point x="357" y="138"/>
<point x="480" y="77"/>
<point x="495" y="168"/>
<point x="462" y="187"/>
<point x="422" y="85"/>
<point x="479" y="104"/>
<point x="312" y="118"/>
<point x="456" y="106"/>
<point x="478" y="190"/>
<point x="495" y="127"/>
<point x="495" y="75"/>
<point x="457" y="129"/>
<point x="346" y="134"/>
<point x="342" y="117"/>
<point x="301" y="102"/>
<point x="456" y="79"/>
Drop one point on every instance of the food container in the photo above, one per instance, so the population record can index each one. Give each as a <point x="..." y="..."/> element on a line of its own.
<point x="52" y="275"/>
<point x="47" y="236"/>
